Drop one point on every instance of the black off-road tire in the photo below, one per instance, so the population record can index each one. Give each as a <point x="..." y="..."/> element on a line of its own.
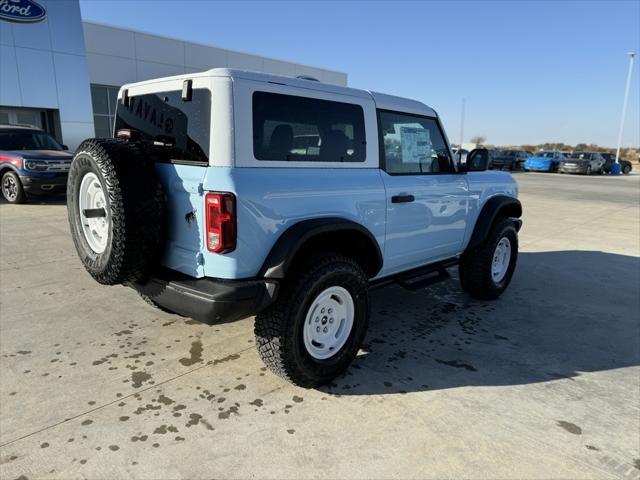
<point x="475" y="266"/>
<point x="626" y="170"/>
<point x="12" y="190"/>
<point x="279" y="328"/>
<point x="135" y="206"/>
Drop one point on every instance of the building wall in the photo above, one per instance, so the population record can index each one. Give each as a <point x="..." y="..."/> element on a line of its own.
<point x="43" y="66"/>
<point x="63" y="73"/>
<point x="117" y="56"/>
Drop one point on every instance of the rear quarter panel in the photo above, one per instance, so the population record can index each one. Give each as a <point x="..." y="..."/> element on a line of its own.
<point x="270" y="200"/>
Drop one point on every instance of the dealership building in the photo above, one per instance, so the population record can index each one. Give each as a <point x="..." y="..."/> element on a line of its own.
<point x="63" y="74"/>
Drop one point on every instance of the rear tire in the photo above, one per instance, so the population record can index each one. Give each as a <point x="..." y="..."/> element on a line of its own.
<point x="626" y="170"/>
<point x="123" y="243"/>
<point x="326" y="286"/>
<point x="12" y="190"/>
<point x="486" y="271"/>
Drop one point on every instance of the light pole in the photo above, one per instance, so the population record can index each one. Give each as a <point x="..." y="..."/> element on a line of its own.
<point x="615" y="168"/>
<point x="462" y="124"/>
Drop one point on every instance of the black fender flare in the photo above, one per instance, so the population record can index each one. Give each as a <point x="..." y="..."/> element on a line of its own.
<point x="5" y="166"/>
<point x="499" y="205"/>
<point x="297" y="235"/>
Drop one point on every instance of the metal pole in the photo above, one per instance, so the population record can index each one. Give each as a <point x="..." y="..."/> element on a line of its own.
<point x="462" y="124"/>
<point x="624" y="113"/>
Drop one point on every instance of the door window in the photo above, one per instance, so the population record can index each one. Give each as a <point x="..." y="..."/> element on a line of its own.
<point x="412" y="144"/>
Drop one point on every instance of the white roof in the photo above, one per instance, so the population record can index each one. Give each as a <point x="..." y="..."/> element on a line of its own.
<point x="383" y="101"/>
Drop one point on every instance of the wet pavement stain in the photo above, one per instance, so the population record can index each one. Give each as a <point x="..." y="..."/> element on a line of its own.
<point x="141" y="438"/>
<point x="228" y="358"/>
<point x="114" y="448"/>
<point x="291" y="431"/>
<point x="225" y="415"/>
<point x="86" y="422"/>
<point x="636" y="463"/>
<point x="165" y="400"/>
<point x="591" y="447"/>
<point x="196" y="354"/>
<point x="458" y="364"/>
<point x="196" y="418"/>
<point x="138" y="378"/>
<point x="298" y="399"/>
<point x="161" y="430"/>
<point x="240" y="387"/>
<point x="570" y="427"/>
<point x="257" y="402"/>
<point x="44" y="445"/>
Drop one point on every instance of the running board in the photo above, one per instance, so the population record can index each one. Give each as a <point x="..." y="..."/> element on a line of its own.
<point x="419" y="277"/>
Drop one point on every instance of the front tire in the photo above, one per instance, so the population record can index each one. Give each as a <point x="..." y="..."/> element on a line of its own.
<point x="314" y="330"/>
<point x="589" y="170"/>
<point x="486" y="271"/>
<point x="12" y="189"/>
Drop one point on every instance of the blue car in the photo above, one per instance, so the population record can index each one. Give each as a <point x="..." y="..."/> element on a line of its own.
<point x="544" y="161"/>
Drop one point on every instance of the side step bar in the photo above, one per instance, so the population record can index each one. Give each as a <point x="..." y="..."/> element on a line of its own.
<point x="419" y="277"/>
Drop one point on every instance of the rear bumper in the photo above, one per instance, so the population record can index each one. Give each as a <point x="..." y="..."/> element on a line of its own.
<point x="41" y="185"/>
<point x="209" y="300"/>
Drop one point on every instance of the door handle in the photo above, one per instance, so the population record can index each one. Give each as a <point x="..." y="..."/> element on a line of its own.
<point x="402" y="198"/>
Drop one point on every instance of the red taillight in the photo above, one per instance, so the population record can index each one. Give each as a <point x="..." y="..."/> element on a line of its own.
<point x="220" y="210"/>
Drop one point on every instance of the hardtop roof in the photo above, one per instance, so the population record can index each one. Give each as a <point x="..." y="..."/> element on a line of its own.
<point x="383" y="101"/>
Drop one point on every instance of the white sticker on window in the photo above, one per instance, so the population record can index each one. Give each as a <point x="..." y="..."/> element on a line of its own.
<point x="415" y="144"/>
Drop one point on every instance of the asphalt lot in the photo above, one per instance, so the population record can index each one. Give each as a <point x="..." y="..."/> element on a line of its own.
<point x="543" y="383"/>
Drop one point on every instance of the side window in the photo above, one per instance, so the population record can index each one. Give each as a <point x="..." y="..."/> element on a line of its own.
<point x="413" y="144"/>
<point x="301" y="129"/>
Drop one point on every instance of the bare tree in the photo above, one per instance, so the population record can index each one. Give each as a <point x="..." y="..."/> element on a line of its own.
<point x="478" y="139"/>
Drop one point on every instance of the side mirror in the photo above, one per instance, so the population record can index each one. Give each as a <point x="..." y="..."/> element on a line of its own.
<point x="477" y="160"/>
<point x="65" y="147"/>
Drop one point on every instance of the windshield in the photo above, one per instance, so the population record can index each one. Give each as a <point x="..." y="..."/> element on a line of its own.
<point x="27" y="140"/>
<point x="510" y="153"/>
<point x="580" y="155"/>
<point x="545" y="154"/>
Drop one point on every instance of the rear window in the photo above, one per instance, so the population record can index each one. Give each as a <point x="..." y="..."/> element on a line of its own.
<point x="292" y="128"/>
<point x="175" y="130"/>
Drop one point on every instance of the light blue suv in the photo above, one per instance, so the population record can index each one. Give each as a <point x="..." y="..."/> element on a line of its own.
<point x="228" y="194"/>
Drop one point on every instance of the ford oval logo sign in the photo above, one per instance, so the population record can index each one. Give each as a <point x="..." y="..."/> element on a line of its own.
<point x="21" y="11"/>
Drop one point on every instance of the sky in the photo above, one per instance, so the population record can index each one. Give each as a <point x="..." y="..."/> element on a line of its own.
<point x="530" y="71"/>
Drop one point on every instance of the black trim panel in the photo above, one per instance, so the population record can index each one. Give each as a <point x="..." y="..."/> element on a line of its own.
<point x="286" y="247"/>
<point x="488" y="214"/>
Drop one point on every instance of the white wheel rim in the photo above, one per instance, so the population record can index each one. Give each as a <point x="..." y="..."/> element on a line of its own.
<point x="501" y="259"/>
<point x="328" y="323"/>
<point x="91" y="196"/>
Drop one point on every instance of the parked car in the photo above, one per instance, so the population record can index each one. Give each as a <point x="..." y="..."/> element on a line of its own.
<point x="511" y="159"/>
<point x="610" y="158"/>
<point x="582" y="162"/>
<point x="544" y="161"/>
<point x="32" y="162"/>
<point x="240" y="219"/>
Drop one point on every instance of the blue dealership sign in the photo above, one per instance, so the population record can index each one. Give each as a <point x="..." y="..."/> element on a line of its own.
<point x="21" y="11"/>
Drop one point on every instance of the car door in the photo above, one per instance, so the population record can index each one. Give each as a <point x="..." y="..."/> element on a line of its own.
<point x="426" y="199"/>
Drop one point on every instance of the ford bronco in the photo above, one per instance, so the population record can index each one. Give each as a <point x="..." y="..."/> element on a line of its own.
<point x="227" y="194"/>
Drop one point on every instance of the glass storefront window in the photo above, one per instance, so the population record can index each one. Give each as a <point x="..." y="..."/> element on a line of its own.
<point x="104" y="99"/>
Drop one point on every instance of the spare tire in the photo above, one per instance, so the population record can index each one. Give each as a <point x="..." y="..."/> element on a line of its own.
<point x="116" y="209"/>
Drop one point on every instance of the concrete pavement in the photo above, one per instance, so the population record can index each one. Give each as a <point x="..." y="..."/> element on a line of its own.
<point x="543" y="383"/>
